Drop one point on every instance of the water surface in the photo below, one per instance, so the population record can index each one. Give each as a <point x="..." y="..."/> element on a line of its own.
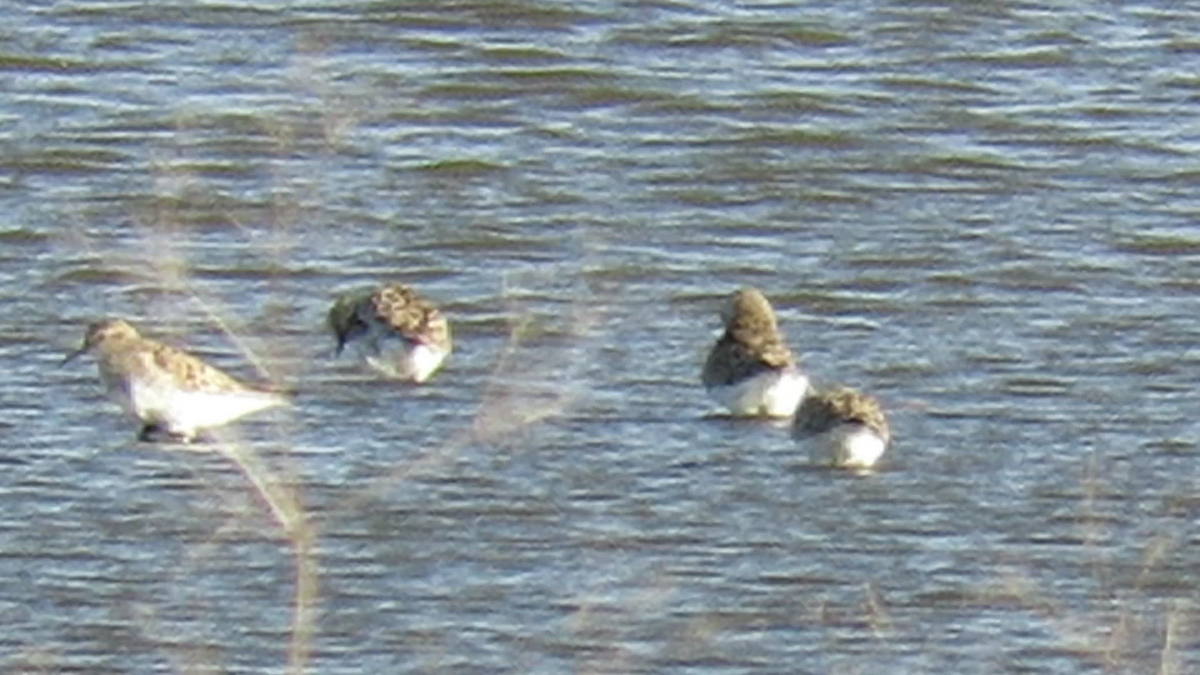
<point x="982" y="212"/>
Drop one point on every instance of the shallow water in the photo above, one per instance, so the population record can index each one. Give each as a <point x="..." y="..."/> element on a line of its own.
<point x="983" y="212"/>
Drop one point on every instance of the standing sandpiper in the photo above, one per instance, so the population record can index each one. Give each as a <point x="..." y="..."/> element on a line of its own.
<point x="395" y="331"/>
<point x="750" y="370"/>
<point x="847" y="428"/>
<point x="167" y="389"/>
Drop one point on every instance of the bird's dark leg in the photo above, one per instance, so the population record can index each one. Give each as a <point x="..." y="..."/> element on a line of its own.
<point x="148" y="431"/>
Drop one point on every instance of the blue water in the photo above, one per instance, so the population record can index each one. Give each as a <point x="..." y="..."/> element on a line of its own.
<point x="981" y="213"/>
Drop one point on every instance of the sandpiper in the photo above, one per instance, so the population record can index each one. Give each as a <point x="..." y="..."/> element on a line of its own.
<point x="394" y="330"/>
<point x="847" y="428"/>
<point x="167" y="389"/>
<point x="750" y="370"/>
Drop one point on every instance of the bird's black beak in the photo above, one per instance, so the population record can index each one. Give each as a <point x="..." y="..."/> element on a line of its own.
<point x="70" y="357"/>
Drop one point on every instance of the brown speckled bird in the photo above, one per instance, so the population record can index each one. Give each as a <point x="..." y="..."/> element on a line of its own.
<point x="847" y="427"/>
<point x="750" y="370"/>
<point x="167" y="389"/>
<point x="394" y="330"/>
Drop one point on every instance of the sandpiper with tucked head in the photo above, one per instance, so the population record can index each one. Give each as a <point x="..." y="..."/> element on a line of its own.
<point x="394" y="330"/>
<point x="167" y="389"/>
<point x="846" y="427"/>
<point x="750" y="370"/>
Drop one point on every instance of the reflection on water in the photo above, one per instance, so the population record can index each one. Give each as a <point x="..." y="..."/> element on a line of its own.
<point x="981" y="213"/>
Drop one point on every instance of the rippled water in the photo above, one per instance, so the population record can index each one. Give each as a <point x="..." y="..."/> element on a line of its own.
<point x="982" y="212"/>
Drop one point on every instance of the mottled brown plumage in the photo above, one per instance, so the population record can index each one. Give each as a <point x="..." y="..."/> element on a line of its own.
<point x="822" y="411"/>
<point x="399" y="306"/>
<point x="751" y="343"/>
<point x="750" y="371"/>
<point x="167" y="388"/>
<point x="375" y="320"/>
<point x="125" y="352"/>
